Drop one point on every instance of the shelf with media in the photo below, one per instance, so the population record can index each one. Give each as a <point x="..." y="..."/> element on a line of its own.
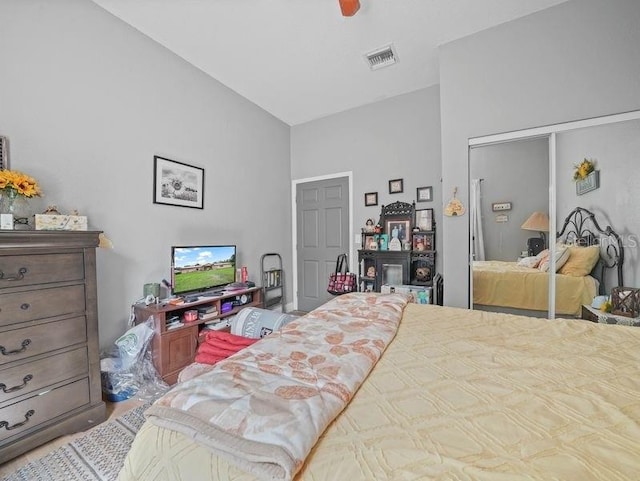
<point x="178" y="325"/>
<point x="205" y="294"/>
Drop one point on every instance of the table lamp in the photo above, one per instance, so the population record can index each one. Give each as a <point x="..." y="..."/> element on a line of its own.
<point x="538" y="221"/>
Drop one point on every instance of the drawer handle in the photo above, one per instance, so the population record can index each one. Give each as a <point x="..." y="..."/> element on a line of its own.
<point x="5" y="424"/>
<point x="25" y="380"/>
<point x="24" y="345"/>
<point x="18" y="277"/>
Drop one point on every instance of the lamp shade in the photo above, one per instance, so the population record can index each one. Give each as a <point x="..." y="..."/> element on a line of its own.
<point x="538" y="221"/>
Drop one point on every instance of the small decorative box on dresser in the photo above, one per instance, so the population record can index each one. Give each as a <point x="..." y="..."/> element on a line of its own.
<point x="49" y="351"/>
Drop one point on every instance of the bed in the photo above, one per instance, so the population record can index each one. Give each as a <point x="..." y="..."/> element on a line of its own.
<point x="457" y="394"/>
<point x="585" y="258"/>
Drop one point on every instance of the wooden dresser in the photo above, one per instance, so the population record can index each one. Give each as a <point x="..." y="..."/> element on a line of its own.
<point x="49" y="351"/>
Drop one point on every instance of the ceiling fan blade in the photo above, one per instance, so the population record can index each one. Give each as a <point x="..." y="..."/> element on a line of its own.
<point x="349" y="7"/>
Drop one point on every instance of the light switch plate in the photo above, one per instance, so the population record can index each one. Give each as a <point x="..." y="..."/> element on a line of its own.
<point x="498" y="206"/>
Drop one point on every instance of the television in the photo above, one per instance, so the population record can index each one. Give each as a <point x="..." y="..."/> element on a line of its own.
<point x="200" y="268"/>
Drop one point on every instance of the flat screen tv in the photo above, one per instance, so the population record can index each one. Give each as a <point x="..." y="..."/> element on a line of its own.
<point x="202" y="268"/>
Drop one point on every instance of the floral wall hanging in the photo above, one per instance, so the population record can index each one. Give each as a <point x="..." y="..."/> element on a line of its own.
<point x="586" y="177"/>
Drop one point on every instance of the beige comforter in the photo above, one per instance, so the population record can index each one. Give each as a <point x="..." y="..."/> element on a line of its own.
<point x="463" y="395"/>
<point x="499" y="283"/>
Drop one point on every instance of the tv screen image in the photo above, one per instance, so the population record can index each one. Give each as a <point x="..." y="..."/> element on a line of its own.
<point x="200" y="268"/>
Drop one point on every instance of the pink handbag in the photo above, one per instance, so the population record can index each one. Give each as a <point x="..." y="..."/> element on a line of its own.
<point x="342" y="281"/>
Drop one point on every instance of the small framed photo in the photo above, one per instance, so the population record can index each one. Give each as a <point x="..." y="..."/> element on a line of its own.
<point x="370" y="198"/>
<point x="396" y="186"/>
<point x="422" y="242"/>
<point x="370" y="243"/>
<point x="424" y="194"/>
<point x="175" y="183"/>
<point x="424" y="219"/>
<point x="383" y="241"/>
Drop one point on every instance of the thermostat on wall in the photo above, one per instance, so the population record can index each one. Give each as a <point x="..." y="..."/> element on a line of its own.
<point x="498" y="206"/>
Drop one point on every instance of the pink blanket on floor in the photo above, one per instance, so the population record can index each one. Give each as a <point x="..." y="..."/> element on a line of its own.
<point x="265" y="407"/>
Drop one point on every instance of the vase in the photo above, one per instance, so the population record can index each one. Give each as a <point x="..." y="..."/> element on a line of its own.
<point x="17" y="205"/>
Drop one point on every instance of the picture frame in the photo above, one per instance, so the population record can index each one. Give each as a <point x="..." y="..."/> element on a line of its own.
<point x="177" y="183"/>
<point x="370" y="198"/>
<point x="422" y="242"/>
<point x="396" y="186"/>
<point x="4" y="153"/>
<point x="424" y="219"/>
<point x="424" y="194"/>
<point x="370" y="243"/>
<point x="401" y="227"/>
<point x="382" y="241"/>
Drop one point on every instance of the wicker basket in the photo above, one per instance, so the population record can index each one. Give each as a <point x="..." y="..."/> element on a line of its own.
<point x="625" y="301"/>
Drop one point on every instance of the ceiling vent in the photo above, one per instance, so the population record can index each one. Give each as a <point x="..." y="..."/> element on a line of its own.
<point x="382" y="57"/>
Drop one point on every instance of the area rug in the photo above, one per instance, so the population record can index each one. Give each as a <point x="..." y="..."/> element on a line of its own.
<point x="96" y="456"/>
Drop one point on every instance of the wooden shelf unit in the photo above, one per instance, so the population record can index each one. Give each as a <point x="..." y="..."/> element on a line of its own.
<point x="174" y="349"/>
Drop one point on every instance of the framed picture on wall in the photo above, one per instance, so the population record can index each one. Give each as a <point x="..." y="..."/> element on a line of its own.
<point x="176" y="183"/>
<point x="395" y="186"/>
<point x="424" y="194"/>
<point x="370" y="198"/>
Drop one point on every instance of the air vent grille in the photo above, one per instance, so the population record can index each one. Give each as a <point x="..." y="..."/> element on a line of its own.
<point x="382" y="57"/>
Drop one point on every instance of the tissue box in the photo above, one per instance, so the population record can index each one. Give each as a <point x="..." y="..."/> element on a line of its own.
<point x="60" y="222"/>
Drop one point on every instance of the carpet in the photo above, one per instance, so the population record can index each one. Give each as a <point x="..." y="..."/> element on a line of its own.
<point x="96" y="456"/>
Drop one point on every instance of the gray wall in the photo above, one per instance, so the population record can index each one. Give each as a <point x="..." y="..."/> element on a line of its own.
<point x="576" y="60"/>
<point x="397" y="138"/>
<point x="87" y="101"/>
<point x="516" y="172"/>
<point x="615" y="148"/>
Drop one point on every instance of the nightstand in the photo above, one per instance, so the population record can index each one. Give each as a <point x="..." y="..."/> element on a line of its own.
<point x="596" y="315"/>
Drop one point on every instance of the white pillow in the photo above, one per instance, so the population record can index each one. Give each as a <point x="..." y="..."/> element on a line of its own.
<point x="529" y="262"/>
<point x="562" y="256"/>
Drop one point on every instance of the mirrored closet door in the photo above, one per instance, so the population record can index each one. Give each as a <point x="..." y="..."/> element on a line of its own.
<point x="523" y="194"/>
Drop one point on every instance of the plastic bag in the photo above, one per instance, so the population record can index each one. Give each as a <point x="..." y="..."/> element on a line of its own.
<point x="127" y="369"/>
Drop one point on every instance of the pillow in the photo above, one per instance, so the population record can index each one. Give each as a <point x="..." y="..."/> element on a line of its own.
<point x="581" y="261"/>
<point x="532" y="261"/>
<point x="562" y="255"/>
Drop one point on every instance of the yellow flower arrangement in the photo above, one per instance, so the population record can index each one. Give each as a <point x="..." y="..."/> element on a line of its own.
<point x="14" y="182"/>
<point x="583" y="169"/>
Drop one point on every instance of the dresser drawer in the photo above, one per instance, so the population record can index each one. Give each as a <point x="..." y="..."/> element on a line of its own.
<point x="29" y="341"/>
<point x="39" y="304"/>
<point x="29" y="413"/>
<point x="25" y="378"/>
<point x="16" y="271"/>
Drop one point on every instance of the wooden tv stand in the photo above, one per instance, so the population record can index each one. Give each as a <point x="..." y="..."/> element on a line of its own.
<point x="174" y="349"/>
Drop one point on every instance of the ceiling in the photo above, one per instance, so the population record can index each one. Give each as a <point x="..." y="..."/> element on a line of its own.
<point x="301" y="59"/>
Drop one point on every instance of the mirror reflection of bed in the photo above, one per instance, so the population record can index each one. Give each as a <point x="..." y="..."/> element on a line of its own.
<point x="584" y="253"/>
<point x="516" y="170"/>
<point x="511" y="191"/>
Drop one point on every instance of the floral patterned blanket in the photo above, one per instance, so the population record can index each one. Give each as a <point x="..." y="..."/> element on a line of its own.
<point x="265" y="407"/>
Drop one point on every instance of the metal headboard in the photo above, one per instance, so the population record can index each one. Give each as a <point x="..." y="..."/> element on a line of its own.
<point x="581" y="228"/>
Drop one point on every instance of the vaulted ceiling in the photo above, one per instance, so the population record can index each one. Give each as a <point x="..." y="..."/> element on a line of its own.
<point x="302" y="59"/>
